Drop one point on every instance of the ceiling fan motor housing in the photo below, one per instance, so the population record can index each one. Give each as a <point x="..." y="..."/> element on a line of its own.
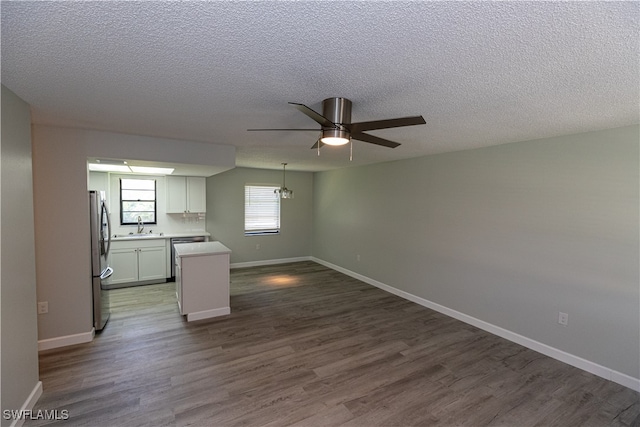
<point x="338" y="110"/>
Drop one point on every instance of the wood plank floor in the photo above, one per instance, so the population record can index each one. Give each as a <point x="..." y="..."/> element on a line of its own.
<point x="308" y="346"/>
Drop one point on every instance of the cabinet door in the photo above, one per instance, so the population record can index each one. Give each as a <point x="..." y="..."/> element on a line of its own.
<point x="196" y="194"/>
<point x="176" y="194"/>
<point x="152" y="263"/>
<point x="125" y="265"/>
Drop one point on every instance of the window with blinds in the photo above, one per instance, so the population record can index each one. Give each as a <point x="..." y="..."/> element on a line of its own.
<point x="261" y="210"/>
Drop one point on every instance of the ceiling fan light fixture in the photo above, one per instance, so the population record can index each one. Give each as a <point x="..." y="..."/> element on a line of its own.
<point x="335" y="137"/>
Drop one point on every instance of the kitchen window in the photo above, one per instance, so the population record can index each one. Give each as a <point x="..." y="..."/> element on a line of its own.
<point x="137" y="199"/>
<point x="261" y="210"/>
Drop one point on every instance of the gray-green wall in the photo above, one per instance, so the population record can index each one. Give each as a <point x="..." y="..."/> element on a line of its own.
<point x="225" y="215"/>
<point x="18" y="308"/>
<point x="510" y="235"/>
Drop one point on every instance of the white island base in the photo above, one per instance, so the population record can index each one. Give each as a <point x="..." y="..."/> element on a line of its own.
<point x="202" y="279"/>
<point x="208" y="314"/>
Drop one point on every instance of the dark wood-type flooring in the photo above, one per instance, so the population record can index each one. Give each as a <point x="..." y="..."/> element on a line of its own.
<point x="308" y="346"/>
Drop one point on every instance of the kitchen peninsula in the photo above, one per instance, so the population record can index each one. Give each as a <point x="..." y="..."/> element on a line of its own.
<point x="202" y="279"/>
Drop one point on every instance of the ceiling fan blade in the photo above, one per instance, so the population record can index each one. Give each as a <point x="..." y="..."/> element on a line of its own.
<point x="386" y="124"/>
<point x="323" y="121"/>
<point x="304" y="130"/>
<point x="315" y="146"/>
<point x="374" y="140"/>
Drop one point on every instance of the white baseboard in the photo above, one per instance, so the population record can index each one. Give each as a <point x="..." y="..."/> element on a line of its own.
<point x="66" y="340"/>
<point x="570" y="359"/>
<point x="206" y="314"/>
<point x="625" y="380"/>
<point x="269" y="262"/>
<point x="28" y="404"/>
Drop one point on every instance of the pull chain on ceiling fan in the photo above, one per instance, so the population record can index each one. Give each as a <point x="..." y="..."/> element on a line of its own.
<point x="337" y="129"/>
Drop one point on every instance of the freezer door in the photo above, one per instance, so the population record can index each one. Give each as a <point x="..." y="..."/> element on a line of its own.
<point x="101" y="309"/>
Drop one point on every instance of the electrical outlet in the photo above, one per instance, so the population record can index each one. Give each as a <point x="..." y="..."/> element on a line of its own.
<point x="257" y="246"/>
<point x="563" y="318"/>
<point x="358" y="257"/>
<point x="43" y="307"/>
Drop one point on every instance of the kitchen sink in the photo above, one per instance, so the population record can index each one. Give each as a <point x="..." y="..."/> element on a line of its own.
<point x="138" y="235"/>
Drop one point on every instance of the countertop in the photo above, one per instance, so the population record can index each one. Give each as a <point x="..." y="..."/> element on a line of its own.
<point x="201" y="248"/>
<point x="144" y="236"/>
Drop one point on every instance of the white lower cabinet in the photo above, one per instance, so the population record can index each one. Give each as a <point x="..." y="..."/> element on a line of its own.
<point x="138" y="261"/>
<point x="152" y="263"/>
<point x="125" y="265"/>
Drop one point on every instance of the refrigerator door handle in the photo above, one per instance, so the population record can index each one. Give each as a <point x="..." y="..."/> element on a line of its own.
<point x="106" y="273"/>
<point x="105" y="212"/>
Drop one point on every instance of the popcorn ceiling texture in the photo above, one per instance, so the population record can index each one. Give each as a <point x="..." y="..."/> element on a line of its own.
<point x="481" y="73"/>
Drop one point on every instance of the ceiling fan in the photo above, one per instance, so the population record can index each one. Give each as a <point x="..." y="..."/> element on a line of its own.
<point x="337" y="129"/>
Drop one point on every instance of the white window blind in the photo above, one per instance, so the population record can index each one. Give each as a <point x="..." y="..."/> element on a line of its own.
<point x="261" y="210"/>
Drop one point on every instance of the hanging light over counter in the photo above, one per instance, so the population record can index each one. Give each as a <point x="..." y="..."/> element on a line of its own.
<point x="283" y="191"/>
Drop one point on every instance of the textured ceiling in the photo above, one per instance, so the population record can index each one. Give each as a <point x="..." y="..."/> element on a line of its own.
<point x="481" y="73"/>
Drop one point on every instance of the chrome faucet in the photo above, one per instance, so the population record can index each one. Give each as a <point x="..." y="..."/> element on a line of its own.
<point x="140" y="225"/>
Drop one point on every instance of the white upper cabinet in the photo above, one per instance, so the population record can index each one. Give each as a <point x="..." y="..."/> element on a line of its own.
<point x="196" y="194"/>
<point x="186" y="194"/>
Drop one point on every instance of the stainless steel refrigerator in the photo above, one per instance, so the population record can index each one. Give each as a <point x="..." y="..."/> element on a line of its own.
<point x="100" y="270"/>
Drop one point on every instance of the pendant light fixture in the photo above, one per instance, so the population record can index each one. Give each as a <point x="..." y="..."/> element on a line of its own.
<point x="283" y="191"/>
